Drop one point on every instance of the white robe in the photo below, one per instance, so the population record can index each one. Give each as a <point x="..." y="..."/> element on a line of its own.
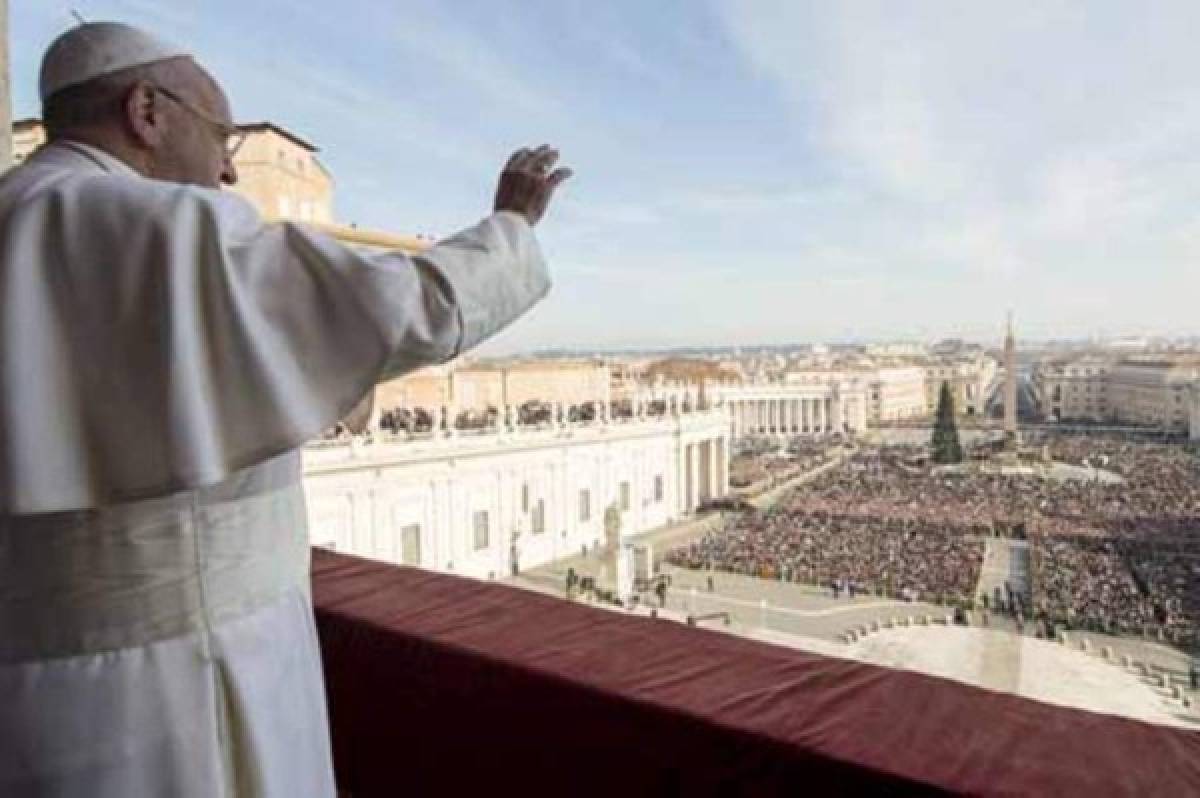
<point x="163" y="354"/>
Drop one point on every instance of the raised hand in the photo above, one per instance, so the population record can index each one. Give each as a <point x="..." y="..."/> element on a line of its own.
<point x="527" y="182"/>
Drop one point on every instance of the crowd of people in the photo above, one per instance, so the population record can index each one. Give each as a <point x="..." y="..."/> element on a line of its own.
<point x="1123" y="557"/>
<point x="418" y="420"/>
<point x="1086" y="582"/>
<point x="1112" y="555"/>
<point x="895" y="557"/>
<point x="749" y="470"/>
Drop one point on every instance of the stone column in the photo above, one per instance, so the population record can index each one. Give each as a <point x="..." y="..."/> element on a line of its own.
<point x="694" y="493"/>
<point x="714" y="482"/>
<point x="723" y="454"/>
<point x="819" y="416"/>
<point x="805" y="420"/>
<point x="714" y="470"/>
<point x="680" y="476"/>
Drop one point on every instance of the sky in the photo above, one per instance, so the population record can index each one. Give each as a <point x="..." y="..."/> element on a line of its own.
<point x="756" y="172"/>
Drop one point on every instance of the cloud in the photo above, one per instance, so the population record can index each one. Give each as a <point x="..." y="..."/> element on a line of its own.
<point x="171" y="19"/>
<point x="469" y="60"/>
<point x="376" y="116"/>
<point x="1000" y="142"/>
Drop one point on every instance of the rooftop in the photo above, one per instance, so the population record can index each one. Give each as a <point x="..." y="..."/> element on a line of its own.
<point x="271" y="127"/>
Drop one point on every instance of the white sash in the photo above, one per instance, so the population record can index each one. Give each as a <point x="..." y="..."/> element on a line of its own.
<point x="164" y="647"/>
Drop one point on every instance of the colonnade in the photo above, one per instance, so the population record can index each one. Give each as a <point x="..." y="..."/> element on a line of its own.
<point x="704" y="472"/>
<point x="786" y="416"/>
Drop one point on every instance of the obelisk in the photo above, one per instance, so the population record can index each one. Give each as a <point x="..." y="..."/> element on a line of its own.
<point x="1011" y="437"/>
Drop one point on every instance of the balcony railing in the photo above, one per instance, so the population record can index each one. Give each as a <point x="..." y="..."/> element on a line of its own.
<point x="415" y="445"/>
<point x="440" y="685"/>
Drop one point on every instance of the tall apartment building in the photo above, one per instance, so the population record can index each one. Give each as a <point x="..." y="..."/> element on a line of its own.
<point x="1152" y="392"/>
<point x="1074" y="389"/>
<point x="1148" y="390"/>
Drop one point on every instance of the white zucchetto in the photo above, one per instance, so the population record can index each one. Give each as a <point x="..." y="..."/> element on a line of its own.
<point x="96" y="49"/>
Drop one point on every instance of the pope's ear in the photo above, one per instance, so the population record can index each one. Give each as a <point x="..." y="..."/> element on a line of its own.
<point x="145" y="116"/>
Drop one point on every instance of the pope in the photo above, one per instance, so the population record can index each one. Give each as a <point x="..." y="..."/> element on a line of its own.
<point x="164" y="354"/>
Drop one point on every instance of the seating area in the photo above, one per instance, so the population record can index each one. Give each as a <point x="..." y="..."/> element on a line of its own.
<point x="443" y="685"/>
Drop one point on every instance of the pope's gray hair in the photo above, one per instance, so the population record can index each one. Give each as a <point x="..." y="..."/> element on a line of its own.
<point x="101" y="100"/>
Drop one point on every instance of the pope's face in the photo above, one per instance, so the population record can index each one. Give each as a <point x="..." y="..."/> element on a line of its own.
<point x="200" y="122"/>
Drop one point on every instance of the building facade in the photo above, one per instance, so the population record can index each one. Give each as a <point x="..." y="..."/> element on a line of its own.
<point x="896" y="393"/>
<point x="1074" y="389"/>
<point x="280" y="174"/>
<point x="476" y="387"/>
<point x="1150" y="391"/>
<point x="970" y="379"/>
<point x="27" y="136"/>
<point x="515" y="497"/>
<point x="896" y="349"/>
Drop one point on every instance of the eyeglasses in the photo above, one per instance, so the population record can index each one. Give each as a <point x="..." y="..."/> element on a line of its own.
<point x="232" y="137"/>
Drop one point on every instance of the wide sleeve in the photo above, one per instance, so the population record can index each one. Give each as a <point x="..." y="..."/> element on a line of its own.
<point x="174" y="338"/>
